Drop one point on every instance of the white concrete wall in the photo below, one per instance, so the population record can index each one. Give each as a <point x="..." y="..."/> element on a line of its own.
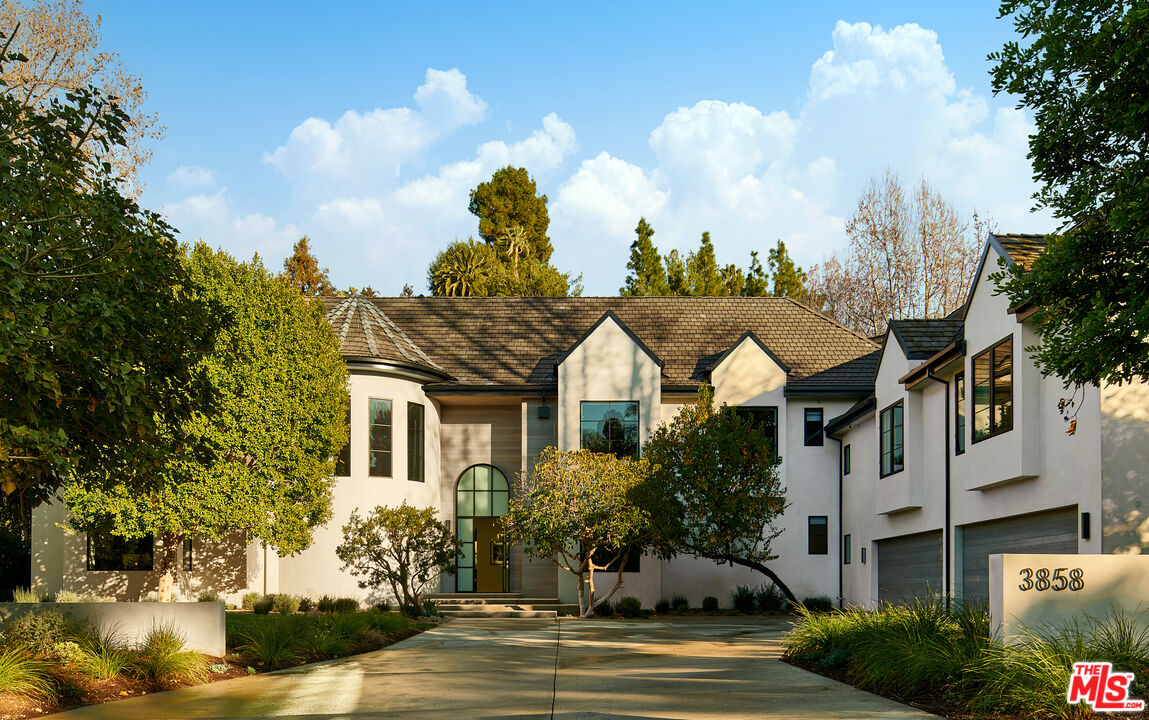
<point x="1124" y="469"/>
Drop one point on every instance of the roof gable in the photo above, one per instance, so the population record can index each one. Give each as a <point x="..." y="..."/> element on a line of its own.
<point x="748" y="335"/>
<point x="609" y="316"/>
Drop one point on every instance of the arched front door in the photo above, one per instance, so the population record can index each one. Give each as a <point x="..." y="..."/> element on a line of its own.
<point x="484" y="558"/>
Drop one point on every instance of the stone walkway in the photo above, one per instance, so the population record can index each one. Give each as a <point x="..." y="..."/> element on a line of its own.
<point x="675" y="668"/>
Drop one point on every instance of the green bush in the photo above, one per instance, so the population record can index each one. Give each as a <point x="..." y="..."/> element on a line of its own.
<point x="818" y="603"/>
<point x="24" y="595"/>
<point x="102" y="654"/>
<point x="277" y="643"/>
<point x="305" y="604"/>
<point x="249" y="600"/>
<point x="161" y="658"/>
<point x="326" y="604"/>
<point x="345" y="605"/>
<point x="430" y="608"/>
<point x="263" y="605"/>
<point x="710" y="603"/>
<point x="604" y="609"/>
<point x="383" y="606"/>
<point x="679" y="603"/>
<point x="629" y="607"/>
<point x="209" y="596"/>
<point x="662" y="606"/>
<point x="770" y="599"/>
<point x="39" y="632"/>
<point x="744" y="599"/>
<point x="22" y="675"/>
<point x="285" y="604"/>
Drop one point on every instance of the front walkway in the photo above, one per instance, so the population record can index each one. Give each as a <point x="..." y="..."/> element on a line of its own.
<point x="506" y="668"/>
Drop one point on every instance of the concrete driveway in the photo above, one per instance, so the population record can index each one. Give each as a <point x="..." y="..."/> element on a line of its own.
<point x="529" y="668"/>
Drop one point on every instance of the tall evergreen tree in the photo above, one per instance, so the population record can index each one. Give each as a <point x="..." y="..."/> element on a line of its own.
<point x="509" y="199"/>
<point x="757" y="282"/>
<point x="676" y="274"/>
<point x="702" y="274"/>
<point x="789" y="280"/>
<point x="647" y="275"/>
<point x="733" y="280"/>
<point x="302" y="271"/>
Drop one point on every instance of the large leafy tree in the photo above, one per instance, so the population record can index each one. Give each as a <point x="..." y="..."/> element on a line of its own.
<point x="647" y="275"/>
<point x="510" y="199"/>
<point x="101" y="329"/>
<point x="1082" y="68"/>
<point x="403" y="547"/>
<point x="586" y="512"/>
<point x="302" y="270"/>
<point x="266" y="451"/>
<point x="720" y="488"/>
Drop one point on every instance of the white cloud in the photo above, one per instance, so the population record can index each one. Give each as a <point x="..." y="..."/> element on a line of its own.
<point x="191" y="176"/>
<point x="210" y="218"/>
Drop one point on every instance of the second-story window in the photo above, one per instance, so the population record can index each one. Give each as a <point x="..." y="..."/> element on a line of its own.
<point x="959" y="413"/>
<point x="379" y="416"/>
<point x="891" y="442"/>
<point x="993" y="390"/>
<point x="610" y="427"/>
<point x="415" y="442"/>
<point x="343" y="462"/>
<point x="813" y="426"/>
<point x="766" y="420"/>
<point x="846" y="460"/>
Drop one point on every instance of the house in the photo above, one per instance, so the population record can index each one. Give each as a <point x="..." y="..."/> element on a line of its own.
<point x="901" y="477"/>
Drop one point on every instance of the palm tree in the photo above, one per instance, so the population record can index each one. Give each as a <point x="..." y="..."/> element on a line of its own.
<point x="515" y="242"/>
<point x="461" y="270"/>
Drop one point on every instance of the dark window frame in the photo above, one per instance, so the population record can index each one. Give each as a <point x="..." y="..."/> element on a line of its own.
<point x="959" y="413"/>
<point x="846" y="459"/>
<point x="900" y="404"/>
<point x="186" y="556"/>
<point x="813" y="439"/>
<point x="818" y="543"/>
<point x="994" y="428"/>
<point x="343" y="459"/>
<point x="610" y="442"/>
<point x="416" y="442"/>
<point x="388" y="452"/>
<point x="94" y="564"/>
<point x="753" y="412"/>
<point x="847" y="549"/>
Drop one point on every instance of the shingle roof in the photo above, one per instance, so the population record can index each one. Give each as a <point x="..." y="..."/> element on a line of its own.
<point x="365" y="331"/>
<point x="515" y="341"/>
<point x="856" y="373"/>
<point x="920" y="339"/>
<point x="1023" y="248"/>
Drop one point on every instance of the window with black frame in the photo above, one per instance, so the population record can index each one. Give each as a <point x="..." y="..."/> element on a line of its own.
<point x="343" y="461"/>
<point x="819" y="535"/>
<point x="993" y="390"/>
<point x="959" y="413"/>
<point x="814" y="419"/>
<point x="379" y="417"/>
<point x="892" y="450"/>
<point x="610" y="427"/>
<point x="113" y="552"/>
<point x="765" y="419"/>
<point x="415" y="442"/>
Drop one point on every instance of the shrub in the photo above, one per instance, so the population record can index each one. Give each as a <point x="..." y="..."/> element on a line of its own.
<point x="744" y="600"/>
<point x="710" y="603"/>
<point x="22" y="675"/>
<point x="249" y="600"/>
<point x="383" y="606"/>
<point x="604" y="609"/>
<point x="161" y="658"/>
<point x="345" y="605"/>
<point x="275" y="643"/>
<point x="24" y="595"/>
<point x="67" y="596"/>
<point x="387" y="622"/>
<point x="285" y="604"/>
<point x="680" y="603"/>
<point x="629" y="607"/>
<point x="263" y="605"/>
<point x="349" y="625"/>
<point x="219" y="668"/>
<point x="430" y="608"/>
<point x="39" y="632"/>
<point x="318" y="641"/>
<point x="326" y="604"/>
<point x="662" y="606"/>
<point x="209" y="596"/>
<point x="305" y="604"/>
<point x="770" y="599"/>
<point x="820" y="603"/>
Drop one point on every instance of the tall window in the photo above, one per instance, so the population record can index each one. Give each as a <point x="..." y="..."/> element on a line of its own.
<point x="187" y="554"/>
<point x="343" y="462"/>
<point x="819" y="535"/>
<point x="892" y="451"/>
<point x="846" y="460"/>
<point x="847" y="551"/>
<point x="993" y="390"/>
<point x="813" y="426"/>
<point x="959" y="413"/>
<point x="766" y="420"/>
<point x="112" y="552"/>
<point x="379" y="415"/>
<point x="415" y="442"/>
<point x="610" y="427"/>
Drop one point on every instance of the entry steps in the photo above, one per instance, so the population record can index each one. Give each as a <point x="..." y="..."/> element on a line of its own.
<point x="499" y="605"/>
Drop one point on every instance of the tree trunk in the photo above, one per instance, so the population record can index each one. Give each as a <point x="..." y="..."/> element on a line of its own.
<point x="764" y="570"/>
<point x="170" y="544"/>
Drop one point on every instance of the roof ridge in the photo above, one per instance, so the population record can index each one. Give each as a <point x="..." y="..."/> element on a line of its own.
<point x="829" y="319"/>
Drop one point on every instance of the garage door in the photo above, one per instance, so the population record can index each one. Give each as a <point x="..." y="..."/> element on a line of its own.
<point x="1047" y="532"/>
<point x="909" y="566"/>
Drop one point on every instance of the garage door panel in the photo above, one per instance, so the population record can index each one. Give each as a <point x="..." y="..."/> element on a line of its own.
<point x="1037" y="534"/>
<point x="909" y="566"/>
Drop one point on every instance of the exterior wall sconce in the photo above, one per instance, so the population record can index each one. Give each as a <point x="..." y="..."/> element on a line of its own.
<point x="863" y="549"/>
<point x="1085" y="529"/>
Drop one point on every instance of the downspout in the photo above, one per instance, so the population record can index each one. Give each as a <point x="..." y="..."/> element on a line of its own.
<point x="946" y="540"/>
<point x="841" y="585"/>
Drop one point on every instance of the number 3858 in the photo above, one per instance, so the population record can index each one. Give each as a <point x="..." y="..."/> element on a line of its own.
<point x="1056" y="580"/>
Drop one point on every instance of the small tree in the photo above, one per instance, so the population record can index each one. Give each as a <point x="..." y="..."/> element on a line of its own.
<point x="584" y="511"/>
<point x="405" y="547"/>
<point x="720" y="489"/>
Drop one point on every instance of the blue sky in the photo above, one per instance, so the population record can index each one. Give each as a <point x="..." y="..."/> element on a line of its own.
<point x="364" y="125"/>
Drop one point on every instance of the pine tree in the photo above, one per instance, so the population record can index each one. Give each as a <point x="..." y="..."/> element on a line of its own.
<point x="302" y="271"/>
<point x="702" y="274"/>
<point x="733" y="280"/>
<point x="647" y="275"/>
<point x="789" y="279"/>
<point x="676" y="274"/>
<point x="757" y="282"/>
<point x="509" y="199"/>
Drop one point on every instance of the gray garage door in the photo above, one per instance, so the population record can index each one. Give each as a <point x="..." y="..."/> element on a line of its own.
<point x="1043" y="533"/>
<point x="909" y="566"/>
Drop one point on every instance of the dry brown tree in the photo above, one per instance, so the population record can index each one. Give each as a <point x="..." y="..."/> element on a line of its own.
<point x="910" y="255"/>
<point x="61" y="44"/>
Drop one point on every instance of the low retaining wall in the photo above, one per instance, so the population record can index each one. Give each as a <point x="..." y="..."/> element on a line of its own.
<point x="201" y="623"/>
